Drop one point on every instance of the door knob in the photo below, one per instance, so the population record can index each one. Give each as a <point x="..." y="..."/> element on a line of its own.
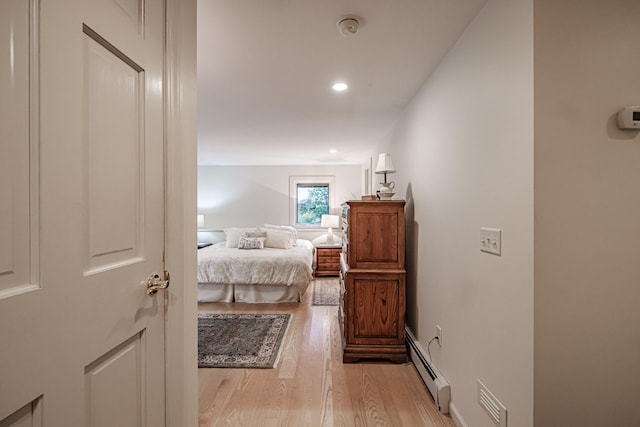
<point x="155" y="282"/>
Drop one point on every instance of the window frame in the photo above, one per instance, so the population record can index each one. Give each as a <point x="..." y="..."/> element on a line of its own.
<point x="319" y="180"/>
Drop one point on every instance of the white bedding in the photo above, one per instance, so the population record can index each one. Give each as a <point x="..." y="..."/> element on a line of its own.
<point x="268" y="266"/>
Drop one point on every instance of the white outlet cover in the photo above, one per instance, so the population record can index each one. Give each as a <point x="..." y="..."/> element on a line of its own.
<point x="491" y="240"/>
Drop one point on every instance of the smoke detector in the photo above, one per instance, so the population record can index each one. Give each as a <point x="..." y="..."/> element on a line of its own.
<point x="348" y="25"/>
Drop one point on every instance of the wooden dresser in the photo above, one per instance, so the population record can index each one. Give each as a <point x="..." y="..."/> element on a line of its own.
<point x="373" y="281"/>
<point x="328" y="260"/>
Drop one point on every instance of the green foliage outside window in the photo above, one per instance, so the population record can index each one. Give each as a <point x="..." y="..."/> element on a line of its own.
<point x="313" y="202"/>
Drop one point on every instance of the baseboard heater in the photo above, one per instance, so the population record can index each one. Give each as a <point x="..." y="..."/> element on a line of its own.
<point x="433" y="379"/>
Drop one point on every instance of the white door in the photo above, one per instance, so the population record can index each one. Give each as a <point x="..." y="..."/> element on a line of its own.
<point x="81" y="213"/>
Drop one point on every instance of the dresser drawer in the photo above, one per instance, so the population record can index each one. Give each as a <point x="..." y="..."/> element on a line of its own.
<point x="329" y="255"/>
<point x="329" y="266"/>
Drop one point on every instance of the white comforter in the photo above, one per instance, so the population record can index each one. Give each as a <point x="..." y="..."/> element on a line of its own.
<point x="268" y="266"/>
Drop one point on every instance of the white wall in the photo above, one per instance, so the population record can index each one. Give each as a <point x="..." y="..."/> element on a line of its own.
<point x="464" y="156"/>
<point x="587" y="234"/>
<point x="248" y="196"/>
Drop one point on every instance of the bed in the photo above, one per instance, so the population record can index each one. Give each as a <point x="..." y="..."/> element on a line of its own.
<point x="227" y="273"/>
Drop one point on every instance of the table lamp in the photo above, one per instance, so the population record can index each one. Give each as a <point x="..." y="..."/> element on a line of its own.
<point x="385" y="166"/>
<point x="330" y="221"/>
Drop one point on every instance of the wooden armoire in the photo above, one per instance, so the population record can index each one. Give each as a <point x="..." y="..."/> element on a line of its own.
<point x="373" y="280"/>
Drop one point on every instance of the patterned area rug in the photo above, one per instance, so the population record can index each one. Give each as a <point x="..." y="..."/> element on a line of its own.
<point x="326" y="292"/>
<point x="240" y="340"/>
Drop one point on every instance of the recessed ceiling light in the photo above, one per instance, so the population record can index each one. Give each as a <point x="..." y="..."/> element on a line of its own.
<point x="333" y="151"/>
<point x="340" y="86"/>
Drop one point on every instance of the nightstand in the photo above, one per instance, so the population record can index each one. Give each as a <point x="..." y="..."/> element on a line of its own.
<point x="328" y="260"/>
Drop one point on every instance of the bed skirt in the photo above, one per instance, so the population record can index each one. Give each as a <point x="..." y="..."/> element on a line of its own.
<point x="222" y="292"/>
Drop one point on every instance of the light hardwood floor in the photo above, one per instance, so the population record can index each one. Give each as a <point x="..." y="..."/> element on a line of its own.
<point x="311" y="386"/>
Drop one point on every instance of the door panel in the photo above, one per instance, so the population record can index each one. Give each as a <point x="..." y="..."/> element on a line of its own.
<point x="132" y="11"/>
<point x="16" y="187"/>
<point x="85" y="223"/>
<point x="376" y="303"/>
<point x="29" y="415"/>
<point x="114" y="386"/>
<point x="114" y="108"/>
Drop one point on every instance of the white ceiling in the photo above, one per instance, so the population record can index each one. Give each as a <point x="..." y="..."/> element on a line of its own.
<point x="265" y="69"/>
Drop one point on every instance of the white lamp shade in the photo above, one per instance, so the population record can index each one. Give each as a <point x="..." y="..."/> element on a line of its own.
<point x="200" y="221"/>
<point x="330" y="221"/>
<point x="385" y="165"/>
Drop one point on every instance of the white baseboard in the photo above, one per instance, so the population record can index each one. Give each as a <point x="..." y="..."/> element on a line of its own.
<point x="455" y="415"/>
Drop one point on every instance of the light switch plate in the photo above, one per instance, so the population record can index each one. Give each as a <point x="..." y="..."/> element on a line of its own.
<point x="491" y="240"/>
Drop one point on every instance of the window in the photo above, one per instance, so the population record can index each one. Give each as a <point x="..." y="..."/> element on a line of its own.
<point x="311" y="197"/>
<point x="313" y="202"/>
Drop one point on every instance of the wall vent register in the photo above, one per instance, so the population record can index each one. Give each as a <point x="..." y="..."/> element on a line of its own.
<point x="492" y="406"/>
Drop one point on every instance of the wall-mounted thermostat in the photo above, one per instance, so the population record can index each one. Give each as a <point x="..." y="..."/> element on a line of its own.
<point x="629" y="118"/>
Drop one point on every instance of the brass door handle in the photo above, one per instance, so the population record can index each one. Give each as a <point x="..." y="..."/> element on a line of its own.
<point x="155" y="282"/>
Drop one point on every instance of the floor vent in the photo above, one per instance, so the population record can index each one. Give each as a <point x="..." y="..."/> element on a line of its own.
<point x="433" y="379"/>
<point x="492" y="406"/>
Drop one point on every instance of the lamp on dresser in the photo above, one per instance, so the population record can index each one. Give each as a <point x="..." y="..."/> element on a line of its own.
<point x="385" y="166"/>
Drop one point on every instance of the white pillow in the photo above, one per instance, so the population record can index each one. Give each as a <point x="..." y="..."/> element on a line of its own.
<point x="279" y="239"/>
<point x="287" y="228"/>
<point x="234" y="234"/>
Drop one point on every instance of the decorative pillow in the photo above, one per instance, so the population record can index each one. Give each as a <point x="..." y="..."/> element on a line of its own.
<point x="287" y="228"/>
<point x="256" y="233"/>
<point x="279" y="239"/>
<point x="251" y="243"/>
<point x="233" y="235"/>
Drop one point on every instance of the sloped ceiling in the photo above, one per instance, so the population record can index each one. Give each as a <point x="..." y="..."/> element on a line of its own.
<point x="265" y="70"/>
